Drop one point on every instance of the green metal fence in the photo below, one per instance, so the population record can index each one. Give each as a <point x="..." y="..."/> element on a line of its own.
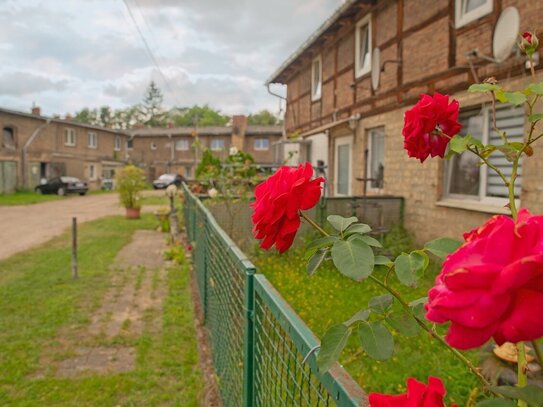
<point x="263" y="353"/>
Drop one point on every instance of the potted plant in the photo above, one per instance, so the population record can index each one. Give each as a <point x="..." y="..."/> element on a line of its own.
<point x="130" y="182"/>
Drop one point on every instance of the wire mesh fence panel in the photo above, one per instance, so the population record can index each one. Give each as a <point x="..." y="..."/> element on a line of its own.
<point x="285" y="372"/>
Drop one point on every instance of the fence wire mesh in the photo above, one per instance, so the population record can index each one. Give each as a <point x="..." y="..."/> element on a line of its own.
<point x="259" y="344"/>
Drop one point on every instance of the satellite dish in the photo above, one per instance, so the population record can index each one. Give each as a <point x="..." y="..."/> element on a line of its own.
<point x="505" y="34"/>
<point x="375" y="68"/>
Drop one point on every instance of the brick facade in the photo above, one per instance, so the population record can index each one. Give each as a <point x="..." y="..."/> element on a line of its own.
<point x="422" y="35"/>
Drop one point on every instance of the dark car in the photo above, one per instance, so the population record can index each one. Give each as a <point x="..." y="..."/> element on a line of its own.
<point x="165" y="180"/>
<point x="63" y="186"/>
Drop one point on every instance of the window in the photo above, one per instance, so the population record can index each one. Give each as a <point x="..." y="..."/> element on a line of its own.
<point x="182" y="145"/>
<point x="363" y="46"/>
<point x="93" y="140"/>
<point x="376" y="158"/>
<point x="316" y="78"/>
<point x="343" y="158"/>
<point x="470" y="10"/>
<point x="217" y="144"/>
<point x="8" y="138"/>
<point x="129" y="144"/>
<point x="262" y="144"/>
<point x="69" y="137"/>
<point x="117" y="143"/>
<point x="464" y="177"/>
<point x="153" y="145"/>
<point x="92" y="172"/>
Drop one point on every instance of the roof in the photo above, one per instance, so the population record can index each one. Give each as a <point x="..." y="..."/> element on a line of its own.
<point x="204" y="131"/>
<point x="345" y="10"/>
<point x="61" y="121"/>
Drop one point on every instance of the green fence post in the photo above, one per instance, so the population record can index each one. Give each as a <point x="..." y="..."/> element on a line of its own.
<point x="249" y="382"/>
<point x="205" y="249"/>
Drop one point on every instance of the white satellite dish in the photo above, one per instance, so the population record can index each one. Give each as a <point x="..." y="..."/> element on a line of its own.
<point x="506" y="34"/>
<point x="375" y="68"/>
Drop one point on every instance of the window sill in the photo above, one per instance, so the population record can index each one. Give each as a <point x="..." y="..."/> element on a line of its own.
<point x="475" y="206"/>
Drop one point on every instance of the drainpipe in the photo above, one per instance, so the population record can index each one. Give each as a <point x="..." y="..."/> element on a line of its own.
<point x="34" y="134"/>
<point x="286" y="106"/>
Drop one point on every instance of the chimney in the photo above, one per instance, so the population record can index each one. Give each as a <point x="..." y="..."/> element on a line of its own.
<point x="68" y="117"/>
<point x="36" y="111"/>
<point x="239" y="126"/>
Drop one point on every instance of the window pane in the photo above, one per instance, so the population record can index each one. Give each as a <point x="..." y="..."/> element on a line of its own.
<point x="343" y="169"/>
<point x="470" y="5"/>
<point x="364" y="47"/>
<point x="377" y="158"/>
<point x="316" y="77"/>
<point x="511" y="120"/>
<point x="463" y="171"/>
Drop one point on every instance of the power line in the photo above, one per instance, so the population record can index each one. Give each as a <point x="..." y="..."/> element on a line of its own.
<point x="149" y="52"/>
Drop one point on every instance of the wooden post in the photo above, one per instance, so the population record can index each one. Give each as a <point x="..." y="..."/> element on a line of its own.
<point x="174" y="226"/>
<point x="74" y="248"/>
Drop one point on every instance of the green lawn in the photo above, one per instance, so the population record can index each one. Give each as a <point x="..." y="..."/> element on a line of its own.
<point x="38" y="299"/>
<point x="156" y="200"/>
<point x="26" y="198"/>
<point x="328" y="298"/>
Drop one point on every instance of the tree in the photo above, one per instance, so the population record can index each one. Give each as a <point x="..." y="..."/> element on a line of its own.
<point x="151" y="108"/>
<point x="264" y="117"/>
<point x="200" y="116"/>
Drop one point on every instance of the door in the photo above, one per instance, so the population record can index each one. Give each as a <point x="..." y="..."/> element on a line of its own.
<point x="343" y="166"/>
<point x="8" y="177"/>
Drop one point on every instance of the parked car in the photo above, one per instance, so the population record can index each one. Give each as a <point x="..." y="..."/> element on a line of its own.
<point x="63" y="186"/>
<point x="165" y="180"/>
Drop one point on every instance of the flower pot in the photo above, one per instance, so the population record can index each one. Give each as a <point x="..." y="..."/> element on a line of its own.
<point x="133" y="213"/>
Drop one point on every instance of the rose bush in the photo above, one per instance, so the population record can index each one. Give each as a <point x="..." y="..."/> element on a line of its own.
<point x="418" y="395"/>
<point x="278" y="201"/>
<point x="429" y="126"/>
<point x="492" y="286"/>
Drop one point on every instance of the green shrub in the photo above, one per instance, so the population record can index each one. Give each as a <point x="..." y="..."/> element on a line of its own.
<point x="130" y="182"/>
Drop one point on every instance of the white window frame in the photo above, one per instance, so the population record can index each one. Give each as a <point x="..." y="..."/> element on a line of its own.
<point x="215" y="148"/>
<point x="316" y="89"/>
<point x="70" y="137"/>
<point x="463" y="18"/>
<point x="117" y="143"/>
<point x="185" y="146"/>
<point x="481" y="198"/>
<point x="369" y="187"/>
<point x="92" y="139"/>
<point x="341" y="141"/>
<point x="259" y="141"/>
<point x="362" y="70"/>
<point x="152" y="146"/>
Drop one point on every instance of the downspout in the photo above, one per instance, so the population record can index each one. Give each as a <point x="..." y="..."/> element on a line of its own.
<point x="34" y="134"/>
<point x="286" y="106"/>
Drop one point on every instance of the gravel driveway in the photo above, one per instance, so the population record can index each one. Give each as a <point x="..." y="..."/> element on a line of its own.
<point x="24" y="227"/>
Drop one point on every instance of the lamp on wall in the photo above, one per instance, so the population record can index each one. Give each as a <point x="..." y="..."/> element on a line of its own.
<point x="353" y="121"/>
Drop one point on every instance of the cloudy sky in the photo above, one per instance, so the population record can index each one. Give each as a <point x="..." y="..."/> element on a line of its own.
<point x="67" y="54"/>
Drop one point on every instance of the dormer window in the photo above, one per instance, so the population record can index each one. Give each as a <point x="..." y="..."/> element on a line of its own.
<point x="363" y="46"/>
<point x="316" y="78"/>
<point x="470" y="10"/>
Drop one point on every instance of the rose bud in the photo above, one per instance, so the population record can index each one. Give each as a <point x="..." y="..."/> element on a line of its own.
<point x="528" y="43"/>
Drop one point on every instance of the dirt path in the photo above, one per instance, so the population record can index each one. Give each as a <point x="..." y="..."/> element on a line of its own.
<point x="131" y="306"/>
<point x="27" y="226"/>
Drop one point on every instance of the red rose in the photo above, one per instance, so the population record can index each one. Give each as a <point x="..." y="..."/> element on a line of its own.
<point x="492" y="286"/>
<point x="527" y="36"/>
<point x="278" y="200"/>
<point x="418" y="395"/>
<point x="528" y="42"/>
<point x="425" y="123"/>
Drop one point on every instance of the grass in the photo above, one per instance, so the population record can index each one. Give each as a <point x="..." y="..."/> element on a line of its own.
<point x="26" y="198"/>
<point x="156" y="200"/>
<point x="328" y="298"/>
<point x="38" y="299"/>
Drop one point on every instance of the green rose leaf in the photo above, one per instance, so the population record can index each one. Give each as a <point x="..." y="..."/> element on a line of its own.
<point x="533" y="395"/>
<point x="515" y="98"/>
<point x="487" y="150"/>
<point x="361" y="315"/>
<point x="497" y="403"/>
<point x="410" y="267"/>
<point x="536" y="88"/>
<point x="383" y="261"/>
<point x="332" y="344"/>
<point x="357" y="228"/>
<point x="535" y="117"/>
<point x="320" y="243"/>
<point x="483" y="87"/>
<point x="340" y="223"/>
<point x="353" y="258"/>
<point x="417" y="307"/>
<point x="376" y="340"/>
<point x="404" y="323"/>
<point x="381" y="303"/>
<point x="459" y="144"/>
<point x="316" y="260"/>
<point x="370" y="241"/>
<point x="442" y="247"/>
<point x="508" y="151"/>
